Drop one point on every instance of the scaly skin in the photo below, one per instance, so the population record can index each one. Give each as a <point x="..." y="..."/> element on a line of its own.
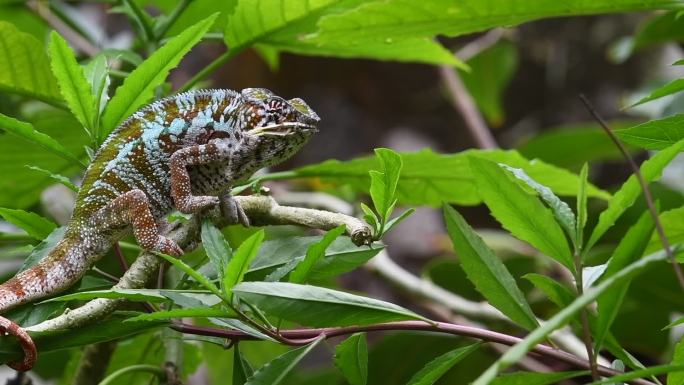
<point x="184" y="152"/>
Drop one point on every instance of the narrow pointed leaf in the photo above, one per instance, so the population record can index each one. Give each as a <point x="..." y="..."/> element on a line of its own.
<point x="36" y="226"/>
<point x="557" y="293"/>
<point x="677" y="359"/>
<point x="242" y="370"/>
<point x="273" y="373"/>
<point x="351" y="357"/>
<point x="672" y="370"/>
<point x="436" y="368"/>
<point x="670" y="88"/>
<point x="181" y="313"/>
<point x="520" y="212"/>
<point x="315" y="252"/>
<point x="59" y="178"/>
<point x="486" y="271"/>
<point x="217" y="248"/>
<point x="197" y="276"/>
<point x="582" y="205"/>
<point x="240" y="262"/>
<point x="319" y="307"/>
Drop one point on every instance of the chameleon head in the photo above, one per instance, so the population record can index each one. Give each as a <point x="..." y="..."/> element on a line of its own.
<point x="280" y="127"/>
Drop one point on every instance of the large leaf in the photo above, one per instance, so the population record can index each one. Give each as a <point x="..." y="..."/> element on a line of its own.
<point x="655" y="134"/>
<point x="279" y="26"/>
<point x="24" y="66"/>
<point x="72" y="82"/>
<point x="630" y="190"/>
<point x="34" y="225"/>
<point x="431" y="179"/>
<point x="351" y="357"/>
<point x="138" y="88"/>
<point x="436" y="368"/>
<point x="487" y="272"/>
<point x="313" y="254"/>
<point x="27" y="132"/>
<point x="519" y="350"/>
<point x="520" y="212"/>
<point x="630" y="248"/>
<point x="272" y="373"/>
<point x="317" y="306"/>
<point x="407" y="19"/>
<point x="239" y="264"/>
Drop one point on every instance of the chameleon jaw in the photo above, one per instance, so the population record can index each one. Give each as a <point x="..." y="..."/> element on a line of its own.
<point x="283" y="129"/>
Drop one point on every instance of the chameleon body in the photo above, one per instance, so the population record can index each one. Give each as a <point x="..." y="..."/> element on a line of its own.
<point x="183" y="152"/>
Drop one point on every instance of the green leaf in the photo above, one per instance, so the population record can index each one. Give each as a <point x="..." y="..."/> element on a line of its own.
<point x="217" y="248"/>
<point x="490" y="72"/>
<point x="59" y="178"/>
<point x="351" y="357"/>
<point x="670" y="88"/>
<point x="279" y="26"/>
<point x="641" y="373"/>
<point x="561" y="211"/>
<point x="241" y="367"/>
<point x="197" y="276"/>
<point x="72" y="82"/>
<point x="137" y="89"/>
<point x="273" y="372"/>
<point x="533" y="378"/>
<point x="43" y="248"/>
<point x="138" y="295"/>
<point x="486" y="271"/>
<point x="655" y="134"/>
<point x="630" y="190"/>
<point x="395" y="221"/>
<point x="240" y="262"/>
<point x="24" y="66"/>
<point x="630" y="248"/>
<point x="384" y="182"/>
<point x="556" y="291"/>
<point x="673" y="224"/>
<point x="181" y="313"/>
<point x="34" y="225"/>
<point x="519" y="212"/>
<point x="436" y="368"/>
<point x="428" y="178"/>
<point x="519" y="350"/>
<point x="582" y="205"/>
<point x="26" y="131"/>
<point x="319" y="307"/>
<point x="313" y="254"/>
<point x="678" y="358"/>
<point x="396" y="19"/>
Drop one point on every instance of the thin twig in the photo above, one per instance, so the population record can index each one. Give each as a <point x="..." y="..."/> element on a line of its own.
<point x="480" y="44"/>
<point x="644" y="186"/>
<point x="120" y="257"/>
<point x="586" y="332"/>
<point x="304" y="336"/>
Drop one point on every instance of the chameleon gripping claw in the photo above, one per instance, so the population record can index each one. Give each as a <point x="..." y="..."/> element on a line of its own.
<point x="7" y="327"/>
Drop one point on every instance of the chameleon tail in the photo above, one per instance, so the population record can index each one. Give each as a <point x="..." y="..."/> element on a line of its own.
<point x="63" y="266"/>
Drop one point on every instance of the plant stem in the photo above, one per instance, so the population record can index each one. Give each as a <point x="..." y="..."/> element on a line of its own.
<point x="644" y="186"/>
<point x="586" y="333"/>
<point x="156" y="370"/>
<point x="213" y="66"/>
<point x="175" y="14"/>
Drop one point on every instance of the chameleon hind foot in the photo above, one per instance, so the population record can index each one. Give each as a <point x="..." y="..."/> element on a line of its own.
<point x="8" y="327"/>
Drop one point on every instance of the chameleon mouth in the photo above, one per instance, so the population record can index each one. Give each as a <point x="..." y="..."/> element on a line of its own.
<point x="283" y="129"/>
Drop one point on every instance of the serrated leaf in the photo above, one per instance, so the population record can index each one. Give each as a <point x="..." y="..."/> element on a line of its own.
<point x="239" y="264"/>
<point x="217" y="248"/>
<point x="631" y="190"/>
<point x="351" y="357"/>
<point x="319" y="307"/>
<point x="519" y="212"/>
<point x="518" y="351"/>
<point x="137" y="89"/>
<point x="630" y="248"/>
<point x="24" y="66"/>
<point x="436" y="368"/>
<point x="26" y="131"/>
<point x="36" y="226"/>
<point x="560" y="209"/>
<point x="533" y="378"/>
<point x="273" y="372"/>
<point x="560" y="295"/>
<point x="181" y="313"/>
<point x="72" y="82"/>
<point x="486" y="271"/>
<point x="656" y="134"/>
<point x="313" y="254"/>
<point x="59" y="178"/>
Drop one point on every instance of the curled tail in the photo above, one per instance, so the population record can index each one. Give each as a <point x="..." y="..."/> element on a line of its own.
<point x="61" y="268"/>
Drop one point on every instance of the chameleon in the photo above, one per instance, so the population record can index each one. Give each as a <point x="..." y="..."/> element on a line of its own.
<point x="183" y="152"/>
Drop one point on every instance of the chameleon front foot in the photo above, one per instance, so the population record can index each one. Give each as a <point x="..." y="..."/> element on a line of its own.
<point x="7" y="327"/>
<point x="232" y="211"/>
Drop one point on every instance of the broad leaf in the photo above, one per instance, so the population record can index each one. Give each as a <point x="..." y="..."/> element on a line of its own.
<point x="533" y="378"/>
<point x="36" y="226"/>
<point x="655" y="134"/>
<point x="519" y="350"/>
<point x="72" y="82"/>
<point x="436" y="368"/>
<point x="217" y="248"/>
<point x="138" y="88"/>
<point x="630" y="248"/>
<point x="631" y="190"/>
<point x="313" y="254"/>
<point x="24" y="66"/>
<point x="272" y="373"/>
<point x="317" y="306"/>
<point x="520" y="212"/>
<point x="486" y="271"/>
<point x="240" y="262"/>
<point x="26" y="131"/>
<point x="351" y="357"/>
